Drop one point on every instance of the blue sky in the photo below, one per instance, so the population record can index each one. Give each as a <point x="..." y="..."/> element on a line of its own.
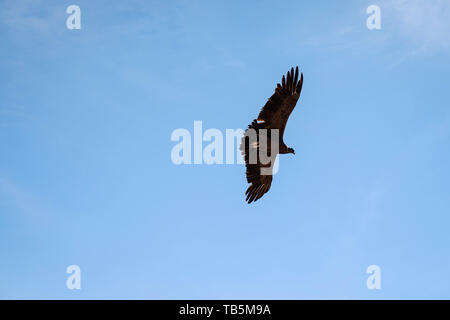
<point x="86" y="176"/>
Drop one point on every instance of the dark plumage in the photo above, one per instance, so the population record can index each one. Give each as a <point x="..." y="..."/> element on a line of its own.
<point x="274" y="115"/>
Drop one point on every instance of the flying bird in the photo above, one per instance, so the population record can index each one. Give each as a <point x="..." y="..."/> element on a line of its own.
<point x="274" y="115"/>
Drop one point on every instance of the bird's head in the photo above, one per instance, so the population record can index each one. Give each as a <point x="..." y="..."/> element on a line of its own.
<point x="290" y="150"/>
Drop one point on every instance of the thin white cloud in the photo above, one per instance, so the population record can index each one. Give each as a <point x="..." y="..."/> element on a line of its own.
<point x="425" y="23"/>
<point x="26" y="15"/>
<point x="408" y="28"/>
<point x="15" y="196"/>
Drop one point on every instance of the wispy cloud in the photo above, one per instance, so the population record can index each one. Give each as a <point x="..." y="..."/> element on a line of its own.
<point x="423" y="22"/>
<point x="26" y="15"/>
<point x="13" y="115"/>
<point x="409" y="28"/>
<point x="18" y="198"/>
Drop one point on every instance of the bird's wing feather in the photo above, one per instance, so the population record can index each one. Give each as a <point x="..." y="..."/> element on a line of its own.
<point x="260" y="183"/>
<point x="277" y="109"/>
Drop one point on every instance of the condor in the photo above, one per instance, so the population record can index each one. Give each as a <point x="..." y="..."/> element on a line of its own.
<point x="272" y="117"/>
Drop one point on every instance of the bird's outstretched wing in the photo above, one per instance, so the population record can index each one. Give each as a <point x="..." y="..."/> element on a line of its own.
<point x="277" y="109"/>
<point x="273" y="115"/>
<point x="260" y="183"/>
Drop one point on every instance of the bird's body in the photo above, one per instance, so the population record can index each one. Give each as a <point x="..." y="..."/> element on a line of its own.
<point x="270" y="124"/>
